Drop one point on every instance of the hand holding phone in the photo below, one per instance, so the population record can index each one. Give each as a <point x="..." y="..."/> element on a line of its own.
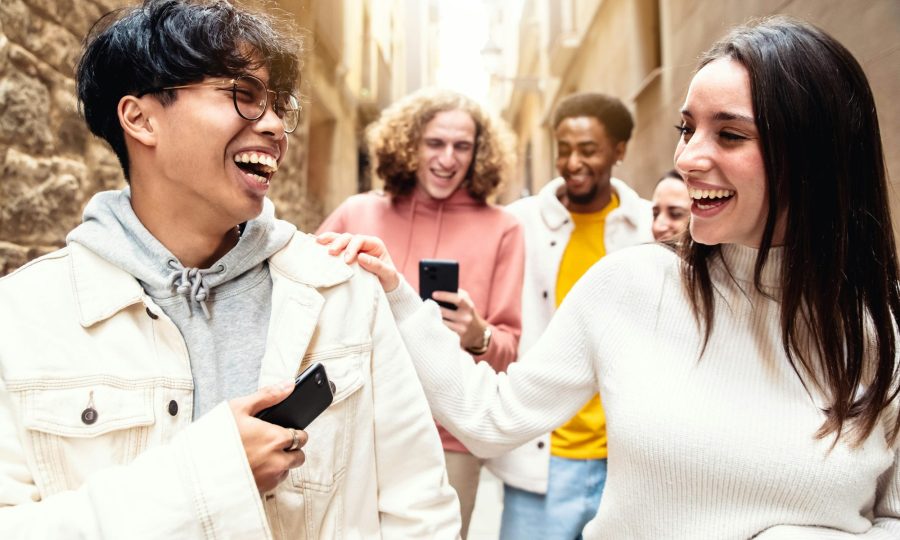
<point x="438" y="275"/>
<point x="312" y="394"/>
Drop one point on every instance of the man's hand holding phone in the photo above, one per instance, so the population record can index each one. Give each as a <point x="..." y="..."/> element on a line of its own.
<point x="373" y="256"/>
<point x="271" y="423"/>
<point x="265" y="444"/>
<point x="464" y="320"/>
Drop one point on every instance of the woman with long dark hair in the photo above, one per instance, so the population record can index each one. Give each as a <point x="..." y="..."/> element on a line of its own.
<point x="749" y="376"/>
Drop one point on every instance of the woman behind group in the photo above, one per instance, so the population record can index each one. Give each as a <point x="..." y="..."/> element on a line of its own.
<point x="750" y="379"/>
<point x="671" y="207"/>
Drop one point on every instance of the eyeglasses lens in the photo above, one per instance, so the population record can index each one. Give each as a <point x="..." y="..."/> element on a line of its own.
<point x="250" y="97"/>
<point x="289" y="110"/>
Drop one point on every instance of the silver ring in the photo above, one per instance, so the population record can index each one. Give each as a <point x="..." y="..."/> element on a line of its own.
<point x="295" y="441"/>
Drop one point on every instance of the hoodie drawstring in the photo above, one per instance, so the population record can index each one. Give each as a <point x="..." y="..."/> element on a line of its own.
<point x="188" y="282"/>
<point x="409" y="235"/>
<point x="437" y="238"/>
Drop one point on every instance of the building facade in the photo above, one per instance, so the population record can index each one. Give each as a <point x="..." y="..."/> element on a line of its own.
<point x="644" y="52"/>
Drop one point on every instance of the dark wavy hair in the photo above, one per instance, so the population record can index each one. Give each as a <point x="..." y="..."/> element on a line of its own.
<point x="394" y="142"/>
<point x="824" y="164"/>
<point x="172" y="42"/>
<point x="608" y="110"/>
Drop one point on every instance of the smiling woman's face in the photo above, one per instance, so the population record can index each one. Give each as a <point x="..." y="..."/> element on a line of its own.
<point x="671" y="208"/>
<point x="720" y="157"/>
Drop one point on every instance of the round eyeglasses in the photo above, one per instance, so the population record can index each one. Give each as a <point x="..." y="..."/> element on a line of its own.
<point x="251" y="97"/>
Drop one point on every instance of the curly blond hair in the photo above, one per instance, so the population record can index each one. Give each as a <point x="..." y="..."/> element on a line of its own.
<point x="393" y="142"/>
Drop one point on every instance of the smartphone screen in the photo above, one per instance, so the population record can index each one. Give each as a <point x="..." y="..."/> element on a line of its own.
<point x="312" y="394"/>
<point x="438" y="275"/>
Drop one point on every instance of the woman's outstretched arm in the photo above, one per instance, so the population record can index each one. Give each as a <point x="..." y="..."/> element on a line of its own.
<point x="489" y="412"/>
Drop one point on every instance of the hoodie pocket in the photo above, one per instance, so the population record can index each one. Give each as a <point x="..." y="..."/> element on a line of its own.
<point x="81" y="427"/>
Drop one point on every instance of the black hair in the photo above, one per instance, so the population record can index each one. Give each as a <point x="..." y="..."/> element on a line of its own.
<point x="673" y="174"/>
<point x="171" y="42"/>
<point x="609" y="111"/>
<point x="824" y="165"/>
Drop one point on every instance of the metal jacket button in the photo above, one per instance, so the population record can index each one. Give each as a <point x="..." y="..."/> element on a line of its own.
<point x="152" y="315"/>
<point x="89" y="415"/>
<point x="173" y="407"/>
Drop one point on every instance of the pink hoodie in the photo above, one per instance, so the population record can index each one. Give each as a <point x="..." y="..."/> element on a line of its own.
<point x="485" y="239"/>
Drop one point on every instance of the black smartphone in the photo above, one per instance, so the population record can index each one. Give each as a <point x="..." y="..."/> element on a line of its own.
<point x="312" y="394"/>
<point x="438" y="275"/>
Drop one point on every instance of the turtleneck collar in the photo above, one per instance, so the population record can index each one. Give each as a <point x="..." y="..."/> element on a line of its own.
<point x="741" y="261"/>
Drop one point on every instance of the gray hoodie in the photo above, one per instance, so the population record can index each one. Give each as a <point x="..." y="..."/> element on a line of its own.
<point x="221" y="311"/>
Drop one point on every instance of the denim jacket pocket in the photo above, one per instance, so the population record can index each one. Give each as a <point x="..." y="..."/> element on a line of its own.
<point x="329" y="434"/>
<point x="74" y="428"/>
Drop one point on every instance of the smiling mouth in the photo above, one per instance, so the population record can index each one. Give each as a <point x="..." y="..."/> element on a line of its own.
<point x="260" y="167"/>
<point x="705" y="199"/>
<point x="447" y="175"/>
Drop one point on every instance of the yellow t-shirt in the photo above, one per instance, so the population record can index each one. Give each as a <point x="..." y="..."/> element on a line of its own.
<point x="584" y="436"/>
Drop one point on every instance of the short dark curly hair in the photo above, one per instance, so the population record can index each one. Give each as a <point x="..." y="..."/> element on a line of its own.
<point x="172" y="42"/>
<point x="394" y="142"/>
<point x="608" y="110"/>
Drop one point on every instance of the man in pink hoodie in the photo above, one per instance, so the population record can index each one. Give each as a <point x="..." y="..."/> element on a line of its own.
<point x="440" y="157"/>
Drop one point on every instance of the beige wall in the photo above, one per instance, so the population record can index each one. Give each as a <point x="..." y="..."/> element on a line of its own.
<point x="617" y="55"/>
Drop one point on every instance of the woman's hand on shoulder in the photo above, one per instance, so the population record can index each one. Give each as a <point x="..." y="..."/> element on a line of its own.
<point x="369" y="251"/>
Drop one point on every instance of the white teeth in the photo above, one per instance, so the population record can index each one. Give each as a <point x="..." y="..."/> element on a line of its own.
<point x="259" y="179"/>
<point x="270" y="164"/>
<point x="698" y="194"/>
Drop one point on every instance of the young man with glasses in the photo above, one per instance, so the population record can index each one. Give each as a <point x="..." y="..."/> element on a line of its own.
<point x="134" y="360"/>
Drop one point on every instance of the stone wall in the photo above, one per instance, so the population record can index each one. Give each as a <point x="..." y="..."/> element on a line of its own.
<point x="50" y="165"/>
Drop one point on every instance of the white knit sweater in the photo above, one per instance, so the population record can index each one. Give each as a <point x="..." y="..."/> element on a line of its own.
<point x="721" y="447"/>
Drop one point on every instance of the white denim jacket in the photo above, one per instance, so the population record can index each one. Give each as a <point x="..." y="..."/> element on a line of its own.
<point x="96" y="438"/>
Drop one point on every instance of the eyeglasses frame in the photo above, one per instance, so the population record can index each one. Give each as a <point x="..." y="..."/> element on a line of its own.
<point x="233" y="83"/>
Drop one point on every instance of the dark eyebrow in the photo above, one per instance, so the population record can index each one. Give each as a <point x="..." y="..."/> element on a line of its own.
<point x="724" y="116"/>
<point x="732" y="116"/>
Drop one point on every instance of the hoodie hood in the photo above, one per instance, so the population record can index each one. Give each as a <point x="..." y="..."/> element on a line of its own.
<point x="113" y="231"/>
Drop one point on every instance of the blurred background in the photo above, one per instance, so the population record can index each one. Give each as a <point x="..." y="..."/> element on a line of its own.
<point x="517" y="57"/>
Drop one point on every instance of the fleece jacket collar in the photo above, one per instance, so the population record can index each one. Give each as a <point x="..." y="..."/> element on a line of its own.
<point x="555" y="215"/>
